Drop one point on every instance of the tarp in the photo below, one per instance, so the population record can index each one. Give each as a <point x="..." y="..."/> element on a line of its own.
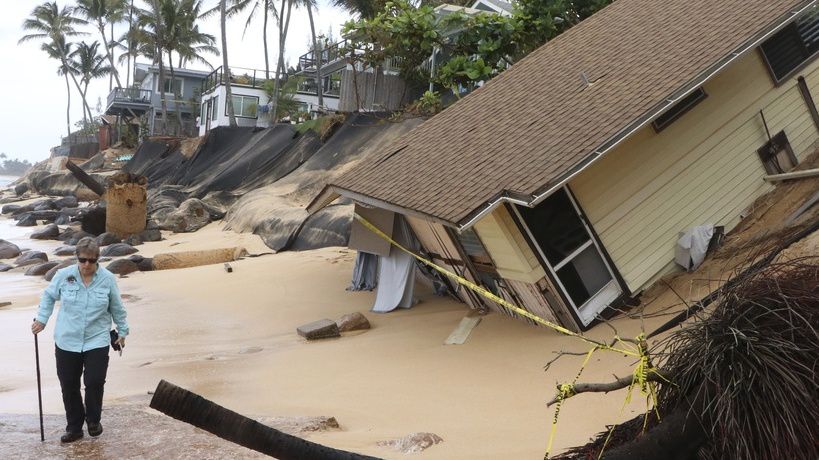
<point x="396" y="272"/>
<point x="365" y="272"/>
<point x="692" y="246"/>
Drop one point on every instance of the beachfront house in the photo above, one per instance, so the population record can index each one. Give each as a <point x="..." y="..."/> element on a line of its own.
<point x="563" y="183"/>
<point x="142" y="101"/>
<point x="251" y="100"/>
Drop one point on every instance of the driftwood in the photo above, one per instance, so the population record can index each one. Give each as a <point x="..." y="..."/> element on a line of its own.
<point x="83" y="177"/>
<point x="189" y="407"/>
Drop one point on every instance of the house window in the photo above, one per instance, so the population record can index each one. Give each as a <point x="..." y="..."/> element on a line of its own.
<point x="777" y="155"/>
<point x="214" y="108"/>
<point x="177" y="86"/>
<point x="684" y="105"/>
<point x="792" y="46"/>
<point x="244" y="106"/>
<point x="474" y="249"/>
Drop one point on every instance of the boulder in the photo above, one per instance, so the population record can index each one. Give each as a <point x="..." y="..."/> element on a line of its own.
<point x="122" y="267"/>
<point x="23" y="209"/>
<point x="41" y="269"/>
<point x="10" y="208"/>
<point x="136" y="258"/>
<point x="27" y="221"/>
<point x="153" y="234"/>
<point x="8" y="250"/>
<point x="75" y="237"/>
<point x="321" y="329"/>
<point x="65" y="251"/>
<point x="20" y="189"/>
<point x="146" y="264"/>
<point x="93" y="220"/>
<point x="118" y="249"/>
<point x="189" y="217"/>
<point x="50" y="232"/>
<point x="107" y="239"/>
<point x="133" y="240"/>
<point x="353" y="322"/>
<point x="5" y="267"/>
<point x="66" y="202"/>
<point x="44" y="205"/>
<point x="30" y="257"/>
<point x="45" y="214"/>
<point x="65" y="263"/>
<point x="62" y="220"/>
<point x="412" y="443"/>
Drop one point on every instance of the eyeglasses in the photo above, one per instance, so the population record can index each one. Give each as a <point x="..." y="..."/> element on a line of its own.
<point x="84" y="260"/>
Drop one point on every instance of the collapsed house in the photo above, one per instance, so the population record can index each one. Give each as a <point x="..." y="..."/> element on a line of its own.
<point x="562" y="184"/>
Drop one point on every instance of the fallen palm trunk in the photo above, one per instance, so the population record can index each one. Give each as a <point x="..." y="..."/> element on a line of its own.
<point x="87" y="180"/>
<point x="196" y="258"/>
<point x="191" y="408"/>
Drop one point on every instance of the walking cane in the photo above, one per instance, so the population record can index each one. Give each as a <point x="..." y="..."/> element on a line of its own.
<point x="39" y="389"/>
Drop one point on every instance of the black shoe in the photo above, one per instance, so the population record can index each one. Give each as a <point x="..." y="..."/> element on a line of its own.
<point x="94" y="429"/>
<point x="71" y="436"/>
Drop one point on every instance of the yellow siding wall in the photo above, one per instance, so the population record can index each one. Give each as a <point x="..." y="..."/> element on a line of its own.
<point x="513" y="258"/>
<point x="703" y="168"/>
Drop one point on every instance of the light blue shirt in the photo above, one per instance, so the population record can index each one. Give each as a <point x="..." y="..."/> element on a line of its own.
<point x="84" y="319"/>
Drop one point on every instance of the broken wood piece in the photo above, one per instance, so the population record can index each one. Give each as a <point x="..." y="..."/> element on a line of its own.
<point x="83" y="177"/>
<point x="191" y="408"/>
<point x="196" y="258"/>
<point x="462" y="331"/>
<point x="321" y="329"/>
<point x="793" y="175"/>
<point x="228" y="268"/>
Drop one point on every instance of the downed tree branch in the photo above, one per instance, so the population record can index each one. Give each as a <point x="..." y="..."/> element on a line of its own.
<point x="656" y="375"/>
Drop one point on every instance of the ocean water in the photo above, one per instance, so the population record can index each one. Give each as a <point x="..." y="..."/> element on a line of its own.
<point x="6" y="180"/>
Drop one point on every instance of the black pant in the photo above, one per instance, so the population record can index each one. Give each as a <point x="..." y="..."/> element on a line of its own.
<point x="92" y="365"/>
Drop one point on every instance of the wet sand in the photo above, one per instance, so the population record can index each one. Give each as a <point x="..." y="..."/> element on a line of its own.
<point x="231" y="338"/>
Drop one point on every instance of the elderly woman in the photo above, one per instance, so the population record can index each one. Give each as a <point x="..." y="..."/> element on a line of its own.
<point x="89" y="300"/>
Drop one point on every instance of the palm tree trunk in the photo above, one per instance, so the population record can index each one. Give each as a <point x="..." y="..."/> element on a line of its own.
<point x="189" y="407"/>
<point x="284" y="24"/>
<point x="110" y="54"/>
<point x="225" y="68"/>
<point x="68" y="106"/>
<point x="161" y="88"/>
<point x="317" y="57"/>
<point x="130" y="43"/>
<point x="85" y="120"/>
<point x="176" y="102"/>
<point x="264" y="41"/>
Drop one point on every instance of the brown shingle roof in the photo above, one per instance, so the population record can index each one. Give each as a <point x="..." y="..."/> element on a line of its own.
<point x="532" y="126"/>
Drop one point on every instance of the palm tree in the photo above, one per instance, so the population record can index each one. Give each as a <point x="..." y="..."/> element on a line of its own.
<point x="54" y="25"/>
<point x="225" y="68"/>
<point x="317" y="52"/>
<point x="102" y="13"/>
<point x="284" y="24"/>
<point x="267" y="7"/>
<point x="365" y="9"/>
<point x="150" y="41"/>
<point x="88" y="64"/>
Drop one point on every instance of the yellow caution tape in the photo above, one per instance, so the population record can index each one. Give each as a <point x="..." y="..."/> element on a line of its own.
<point x="566" y="390"/>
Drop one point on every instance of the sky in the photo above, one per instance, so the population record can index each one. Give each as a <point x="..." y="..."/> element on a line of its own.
<point x="33" y="119"/>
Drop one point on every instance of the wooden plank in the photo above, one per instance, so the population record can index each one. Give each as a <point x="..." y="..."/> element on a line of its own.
<point x="462" y="331"/>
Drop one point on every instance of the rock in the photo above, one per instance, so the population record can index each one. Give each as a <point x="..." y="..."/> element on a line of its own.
<point x="93" y="220"/>
<point x="66" y="202"/>
<point x="41" y="269"/>
<point x="45" y="214"/>
<point x="412" y="443"/>
<point x="104" y="259"/>
<point x="146" y="264"/>
<point x="50" y="232"/>
<point x="136" y="258"/>
<point x="23" y="209"/>
<point x="353" y="322"/>
<point x="62" y="220"/>
<point x="122" y="267"/>
<point x="30" y="257"/>
<point x="8" y="250"/>
<point x="118" y="249"/>
<point x="65" y="251"/>
<point x="70" y="212"/>
<point x="321" y="329"/>
<point x="76" y="236"/>
<point x="133" y="240"/>
<point x="65" y="263"/>
<point x="5" y="267"/>
<point x="189" y="217"/>
<point x="107" y="239"/>
<point x="27" y="221"/>
<point x="20" y="189"/>
<point x="44" y="205"/>
<point x="153" y="234"/>
<point x="300" y="425"/>
<point x="10" y="208"/>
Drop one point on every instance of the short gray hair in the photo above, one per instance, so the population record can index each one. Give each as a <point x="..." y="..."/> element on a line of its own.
<point x="86" y="245"/>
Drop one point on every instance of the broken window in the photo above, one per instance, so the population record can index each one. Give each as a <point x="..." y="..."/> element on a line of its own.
<point x="777" y="155"/>
<point x="792" y="46"/>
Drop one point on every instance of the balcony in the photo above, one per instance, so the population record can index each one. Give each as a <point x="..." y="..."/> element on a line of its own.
<point x="239" y="76"/>
<point x="128" y="100"/>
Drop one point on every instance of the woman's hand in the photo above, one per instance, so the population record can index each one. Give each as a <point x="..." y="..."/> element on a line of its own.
<point x="37" y="327"/>
<point x="121" y="342"/>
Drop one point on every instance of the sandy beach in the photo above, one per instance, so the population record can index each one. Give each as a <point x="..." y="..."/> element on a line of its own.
<point x="231" y="337"/>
